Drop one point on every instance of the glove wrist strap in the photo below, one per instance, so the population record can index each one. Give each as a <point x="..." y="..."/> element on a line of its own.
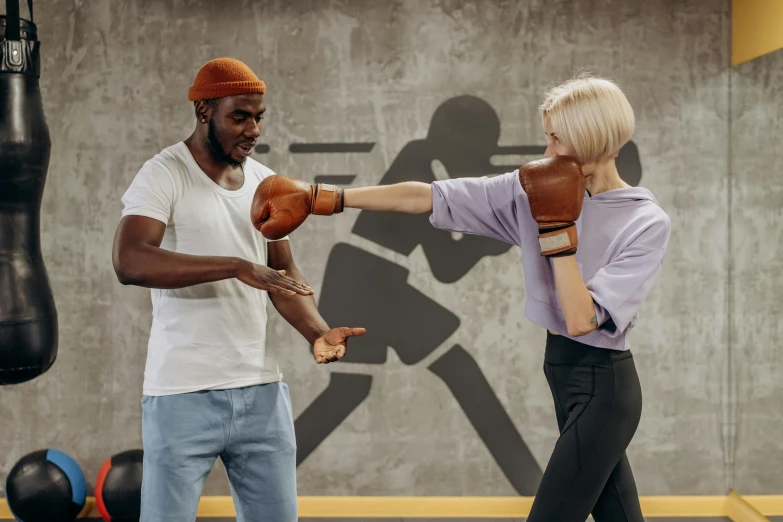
<point x="328" y="200"/>
<point x="558" y="239"/>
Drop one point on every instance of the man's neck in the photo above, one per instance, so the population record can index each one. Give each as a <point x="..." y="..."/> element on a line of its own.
<point x="230" y="177"/>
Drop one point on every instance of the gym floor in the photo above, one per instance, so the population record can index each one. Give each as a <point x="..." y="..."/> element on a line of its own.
<point x="709" y="519"/>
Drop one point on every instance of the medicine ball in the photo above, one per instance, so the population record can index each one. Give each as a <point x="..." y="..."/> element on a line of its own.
<point x="45" y="486"/>
<point x="118" y="487"/>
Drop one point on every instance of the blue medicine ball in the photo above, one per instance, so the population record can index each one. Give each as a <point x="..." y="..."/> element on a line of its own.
<point x="46" y="486"/>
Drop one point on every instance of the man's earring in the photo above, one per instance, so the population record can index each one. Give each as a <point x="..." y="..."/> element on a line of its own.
<point x="203" y="120"/>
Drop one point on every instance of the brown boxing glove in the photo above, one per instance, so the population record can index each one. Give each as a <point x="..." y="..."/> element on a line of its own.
<point x="281" y="204"/>
<point x="555" y="188"/>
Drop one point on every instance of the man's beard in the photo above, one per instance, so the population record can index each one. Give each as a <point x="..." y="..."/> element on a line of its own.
<point x="217" y="147"/>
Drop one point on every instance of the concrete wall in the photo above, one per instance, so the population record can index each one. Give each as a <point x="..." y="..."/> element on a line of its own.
<point x="115" y="76"/>
<point x="757" y="202"/>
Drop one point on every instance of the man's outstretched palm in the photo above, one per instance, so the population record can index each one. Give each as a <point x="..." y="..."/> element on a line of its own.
<point x="333" y="344"/>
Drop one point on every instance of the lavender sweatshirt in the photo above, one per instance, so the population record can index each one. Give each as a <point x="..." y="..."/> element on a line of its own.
<point x="623" y="235"/>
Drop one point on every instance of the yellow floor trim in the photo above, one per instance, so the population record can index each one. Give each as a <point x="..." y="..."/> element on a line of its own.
<point x="683" y="506"/>
<point x="414" y="507"/>
<point x="770" y="505"/>
<point x="738" y="508"/>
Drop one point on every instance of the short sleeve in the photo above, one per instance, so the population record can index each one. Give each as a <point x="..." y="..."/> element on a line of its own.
<point x="619" y="288"/>
<point x="151" y="193"/>
<point x="484" y="206"/>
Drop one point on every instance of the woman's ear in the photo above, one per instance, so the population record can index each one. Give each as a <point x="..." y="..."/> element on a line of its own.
<point x="588" y="168"/>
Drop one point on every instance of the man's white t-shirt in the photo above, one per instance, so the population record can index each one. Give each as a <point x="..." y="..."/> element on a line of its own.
<point x="213" y="335"/>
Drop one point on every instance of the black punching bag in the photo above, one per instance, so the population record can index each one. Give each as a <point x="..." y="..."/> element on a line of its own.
<point x="28" y="319"/>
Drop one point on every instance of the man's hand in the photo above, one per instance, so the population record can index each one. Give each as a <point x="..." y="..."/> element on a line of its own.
<point x="269" y="279"/>
<point x="332" y="345"/>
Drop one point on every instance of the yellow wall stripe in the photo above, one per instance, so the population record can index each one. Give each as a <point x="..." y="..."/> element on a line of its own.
<point x="731" y="505"/>
<point x="756" y="28"/>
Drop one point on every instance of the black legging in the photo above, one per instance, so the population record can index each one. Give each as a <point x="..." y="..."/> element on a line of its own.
<point x="598" y="401"/>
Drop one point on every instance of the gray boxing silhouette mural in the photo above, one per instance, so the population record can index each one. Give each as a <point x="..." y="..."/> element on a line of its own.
<point x="362" y="288"/>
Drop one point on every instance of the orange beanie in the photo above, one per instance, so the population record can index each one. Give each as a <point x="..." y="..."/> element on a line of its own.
<point x="224" y="77"/>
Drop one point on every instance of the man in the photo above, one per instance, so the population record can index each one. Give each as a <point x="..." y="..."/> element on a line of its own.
<point x="212" y="386"/>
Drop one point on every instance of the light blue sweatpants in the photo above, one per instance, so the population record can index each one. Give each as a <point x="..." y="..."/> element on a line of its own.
<point x="251" y="429"/>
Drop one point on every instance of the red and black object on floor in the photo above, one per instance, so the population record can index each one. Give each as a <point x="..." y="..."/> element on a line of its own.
<point x="118" y="487"/>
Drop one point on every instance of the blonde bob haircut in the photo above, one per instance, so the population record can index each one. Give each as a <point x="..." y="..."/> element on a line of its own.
<point x="590" y="115"/>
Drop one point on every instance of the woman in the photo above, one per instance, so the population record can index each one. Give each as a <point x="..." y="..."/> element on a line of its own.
<point x="590" y="259"/>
